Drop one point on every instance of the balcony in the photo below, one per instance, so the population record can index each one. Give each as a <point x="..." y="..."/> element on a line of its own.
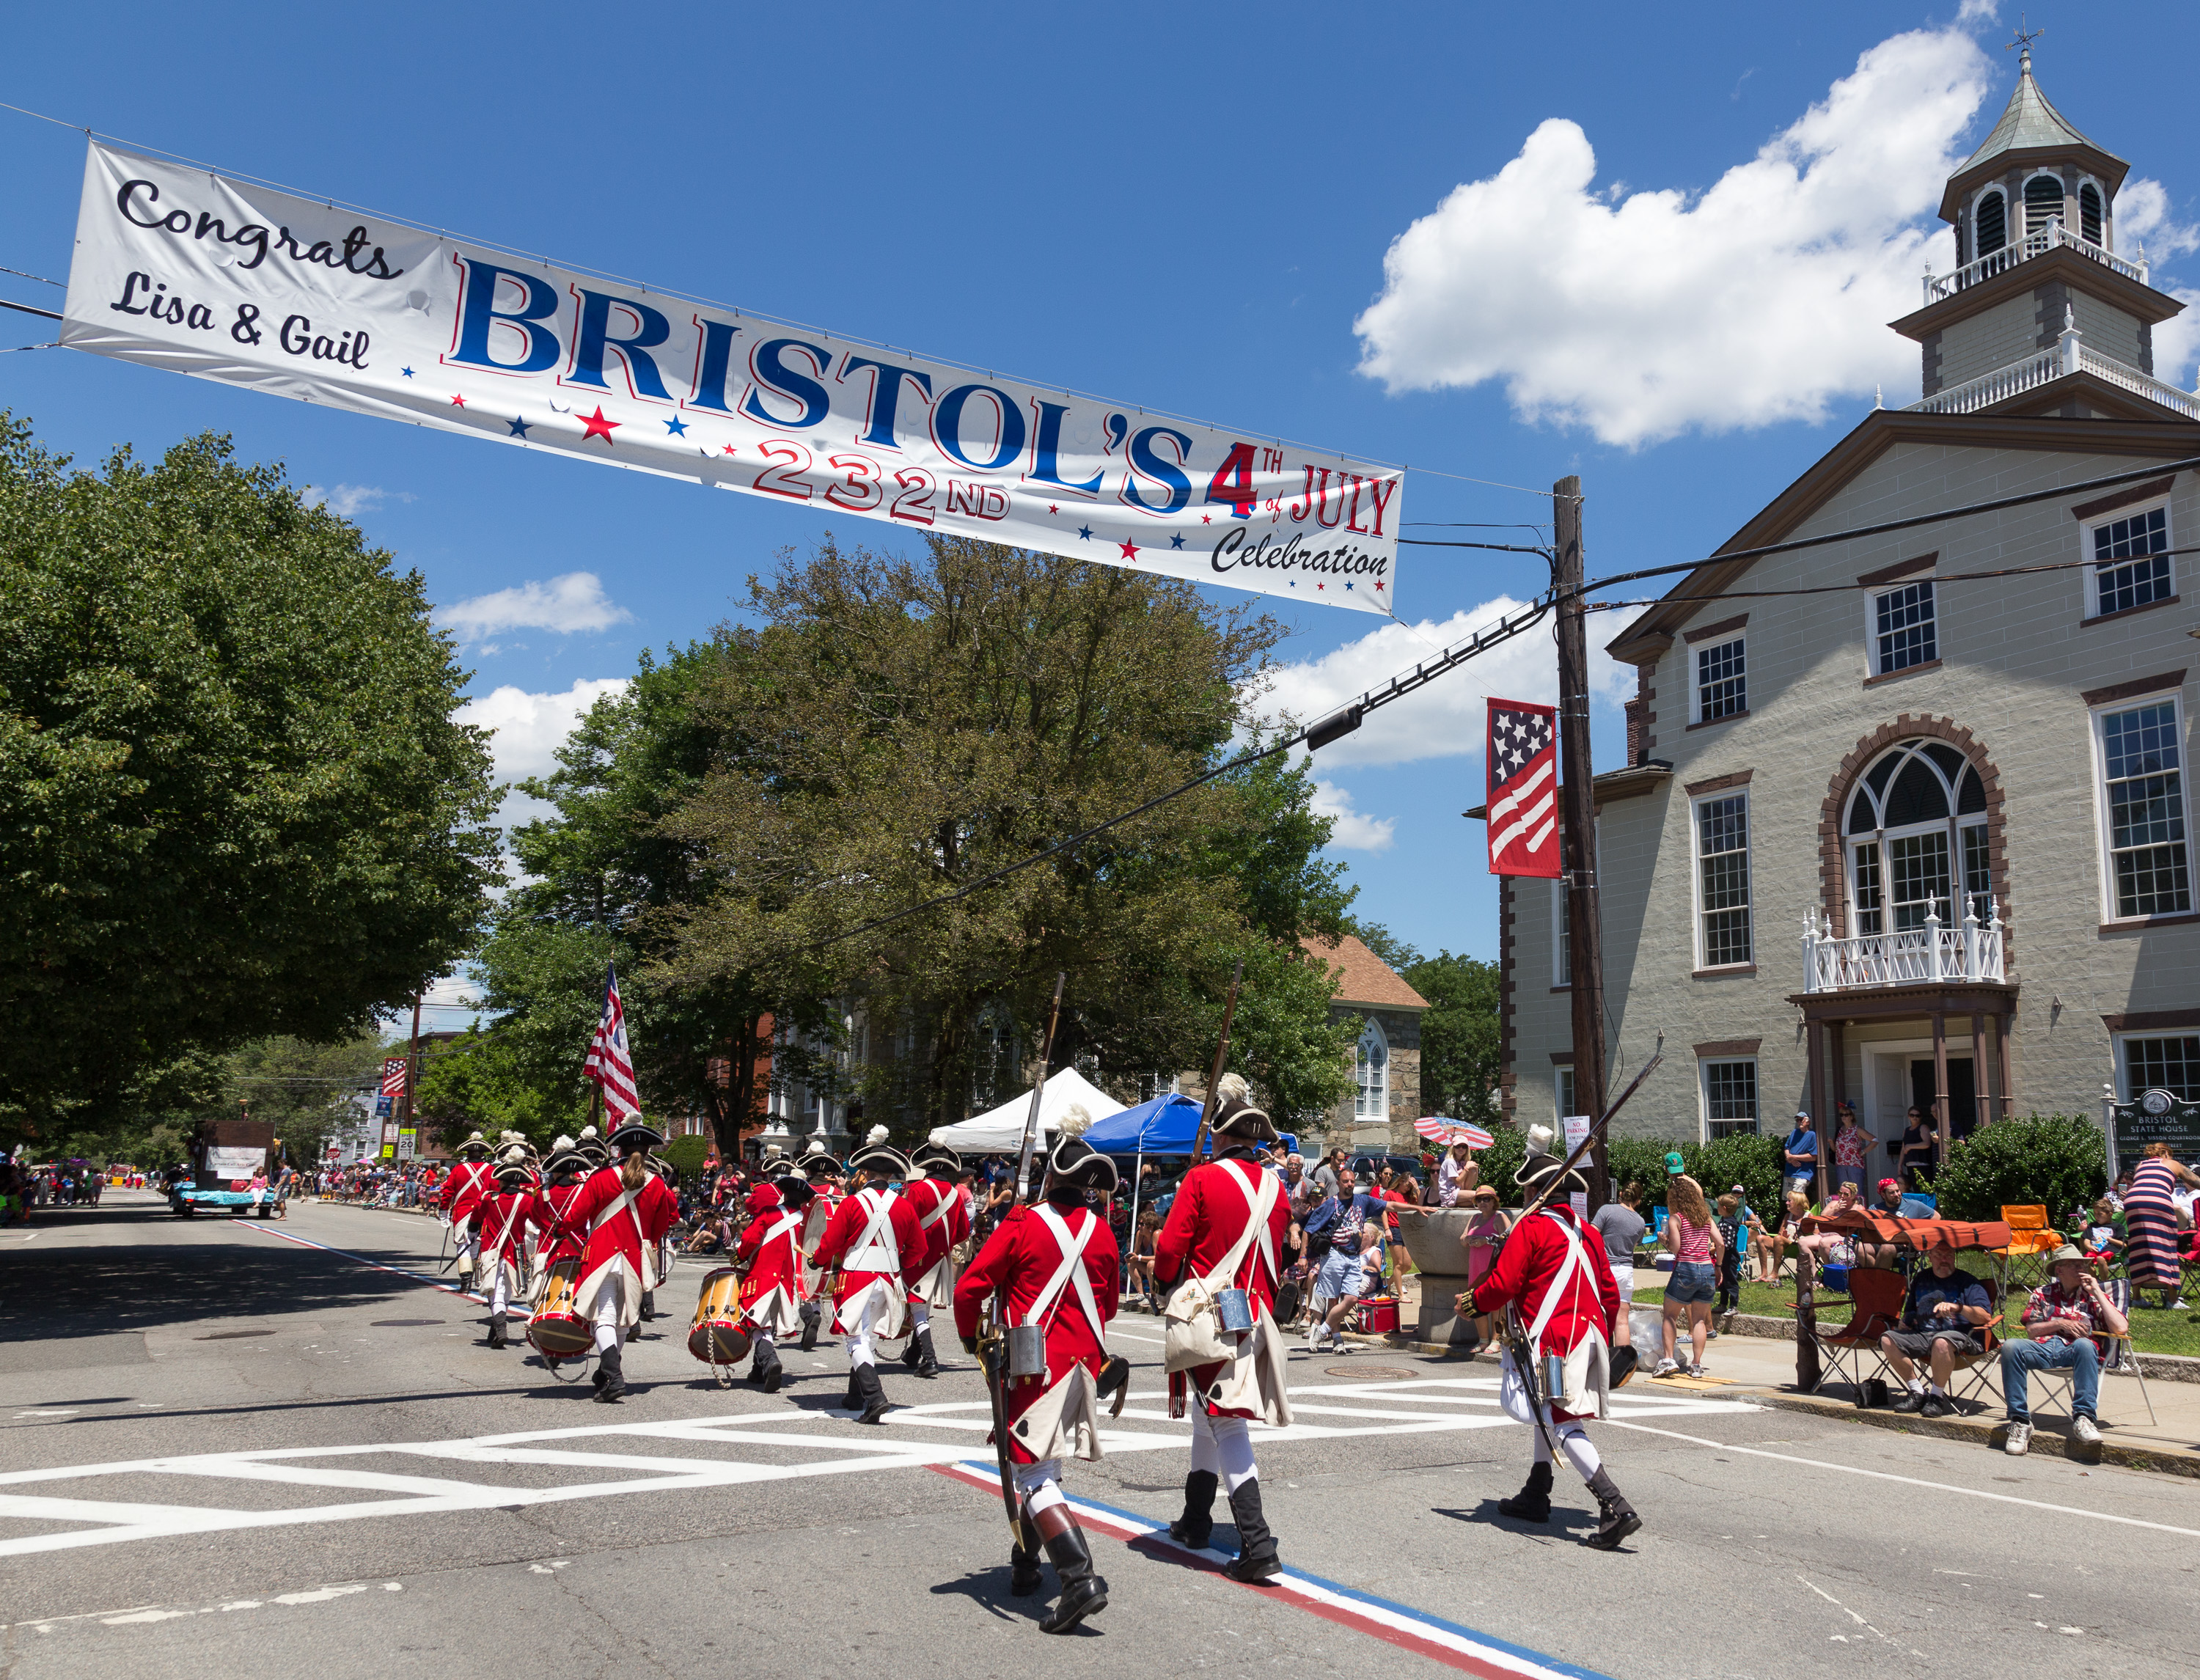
<point x="2043" y="367"/>
<point x="1936" y="953"/>
<point x="2037" y="244"/>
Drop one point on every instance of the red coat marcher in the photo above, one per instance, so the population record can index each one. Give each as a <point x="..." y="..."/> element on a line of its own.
<point x="500" y="1222"/>
<point x="1018" y="1261"/>
<point x="771" y="1248"/>
<point x="894" y="1254"/>
<point x="1211" y="1212"/>
<point x="943" y="1218"/>
<point x="619" y="1229"/>
<point x="1529" y="1263"/>
<point x="553" y="1245"/>
<point x="469" y="1182"/>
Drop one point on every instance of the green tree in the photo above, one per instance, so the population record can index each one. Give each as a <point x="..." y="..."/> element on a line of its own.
<point x="1459" y="1035"/>
<point x="307" y="1089"/>
<point x="890" y="731"/>
<point x="233" y="800"/>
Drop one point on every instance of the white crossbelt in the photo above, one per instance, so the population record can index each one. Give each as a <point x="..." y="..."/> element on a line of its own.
<point x="1072" y="1269"/>
<point x="1258" y="1206"/>
<point x="1543" y="1314"/>
<point x="876" y="1250"/>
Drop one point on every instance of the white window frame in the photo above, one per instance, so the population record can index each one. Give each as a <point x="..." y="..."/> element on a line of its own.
<point x="2126" y="1086"/>
<point x="1978" y="200"/>
<point x="1704" y="1121"/>
<point x="1562" y="1093"/>
<point x="1871" y="600"/>
<point x="2104" y="838"/>
<point x="1696" y="656"/>
<point x="2089" y="596"/>
<point x="1561" y="951"/>
<point x="1696" y="875"/>
<point x="1370" y="1096"/>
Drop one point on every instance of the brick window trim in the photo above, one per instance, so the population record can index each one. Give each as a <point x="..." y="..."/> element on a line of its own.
<point x="1897" y="676"/>
<point x="2132" y="689"/>
<point x="1722" y="628"/>
<point x="2136" y="494"/>
<point x="1899" y="569"/>
<point x="1833" y="879"/>
<point x="1729" y="971"/>
<point x="2152" y="1020"/>
<point x="2126" y="612"/>
<point x="1719" y="783"/>
<point x="1719" y="1049"/>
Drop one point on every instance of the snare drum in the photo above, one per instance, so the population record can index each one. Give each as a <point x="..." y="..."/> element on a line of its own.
<point x="719" y="1336"/>
<point x="555" y="1329"/>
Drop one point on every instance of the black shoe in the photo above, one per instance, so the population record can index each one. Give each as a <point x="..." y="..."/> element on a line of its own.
<point x="872" y="1393"/>
<point x="1083" y="1593"/>
<point x="1024" y="1577"/>
<point x="1615" y="1518"/>
<point x="811" y="1316"/>
<point x="648" y="1305"/>
<point x="767" y="1369"/>
<point x="1257" y="1562"/>
<point x="1194" y="1527"/>
<point x="497" y="1338"/>
<point x="1911" y="1402"/>
<point x="613" y="1387"/>
<point x="1532" y="1504"/>
<point x="1936" y="1406"/>
<point x="927" y="1366"/>
<point x="601" y="1376"/>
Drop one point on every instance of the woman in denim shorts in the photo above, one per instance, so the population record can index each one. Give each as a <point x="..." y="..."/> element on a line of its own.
<point x="1693" y="1242"/>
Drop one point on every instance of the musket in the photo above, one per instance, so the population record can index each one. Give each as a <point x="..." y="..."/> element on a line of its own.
<point x="1199" y="1139"/>
<point x="1039" y="1091"/>
<point x="993" y="1366"/>
<point x="1516" y="1335"/>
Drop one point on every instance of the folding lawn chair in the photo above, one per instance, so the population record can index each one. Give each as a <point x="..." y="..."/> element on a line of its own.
<point x="1981" y="1370"/>
<point x="2116" y="1357"/>
<point x="1852" y="1349"/>
<point x="2030" y="1242"/>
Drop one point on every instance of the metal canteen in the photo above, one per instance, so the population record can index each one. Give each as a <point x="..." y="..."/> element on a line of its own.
<point x="1554" y="1379"/>
<point x="1026" y="1350"/>
<point x="1234" y="1308"/>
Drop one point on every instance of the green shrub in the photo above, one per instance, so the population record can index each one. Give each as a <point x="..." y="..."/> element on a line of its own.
<point x="1753" y="1162"/>
<point x="686" y="1153"/>
<point x="2060" y="1161"/>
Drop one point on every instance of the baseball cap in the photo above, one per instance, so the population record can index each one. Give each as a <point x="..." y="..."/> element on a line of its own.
<point x="1802" y="1114"/>
<point x="1674" y="1165"/>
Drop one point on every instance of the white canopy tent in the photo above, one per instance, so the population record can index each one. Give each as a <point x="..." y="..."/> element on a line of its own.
<point x="1001" y="1132"/>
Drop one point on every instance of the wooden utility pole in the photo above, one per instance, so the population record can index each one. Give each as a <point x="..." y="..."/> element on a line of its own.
<point x="411" y="1080"/>
<point x="1577" y="824"/>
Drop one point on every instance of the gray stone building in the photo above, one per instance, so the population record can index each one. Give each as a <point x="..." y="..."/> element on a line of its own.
<point x="1386" y="1072"/>
<point x="1926" y="839"/>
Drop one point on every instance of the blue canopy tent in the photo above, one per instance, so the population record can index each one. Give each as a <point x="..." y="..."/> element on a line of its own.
<point x="1166" y="1125"/>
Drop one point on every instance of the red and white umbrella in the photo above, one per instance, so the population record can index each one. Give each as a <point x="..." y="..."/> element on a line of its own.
<point x="1437" y="1129"/>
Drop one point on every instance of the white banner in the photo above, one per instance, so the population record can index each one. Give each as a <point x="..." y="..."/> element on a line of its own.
<point x="226" y="1164"/>
<point x="179" y="269"/>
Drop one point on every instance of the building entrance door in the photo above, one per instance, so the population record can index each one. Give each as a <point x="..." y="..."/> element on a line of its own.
<point x="1963" y="1093"/>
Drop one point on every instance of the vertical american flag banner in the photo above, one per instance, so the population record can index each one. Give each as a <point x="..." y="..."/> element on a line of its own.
<point x="393" y="1075"/>
<point x="609" y="1063"/>
<point x="1524" y="789"/>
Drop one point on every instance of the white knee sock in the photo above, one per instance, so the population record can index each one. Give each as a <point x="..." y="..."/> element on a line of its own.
<point x="920" y="1315"/>
<point x="1223" y="1447"/>
<point x="607" y="1338"/>
<point x="1581" y="1452"/>
<point x="859" y="1350"/>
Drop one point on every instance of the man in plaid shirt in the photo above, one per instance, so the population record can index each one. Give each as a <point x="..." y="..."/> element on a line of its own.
<point x="2060" y="1323"/>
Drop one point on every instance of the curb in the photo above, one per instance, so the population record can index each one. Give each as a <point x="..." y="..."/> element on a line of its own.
<point x="1979" y="1431"/>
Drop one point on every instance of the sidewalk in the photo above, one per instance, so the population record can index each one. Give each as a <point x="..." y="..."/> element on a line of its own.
<point x="1762" y="1369"/>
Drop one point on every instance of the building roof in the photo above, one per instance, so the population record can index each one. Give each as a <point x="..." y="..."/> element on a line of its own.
<point x="2030" y="130"/>
<point x="1365" y="980"/>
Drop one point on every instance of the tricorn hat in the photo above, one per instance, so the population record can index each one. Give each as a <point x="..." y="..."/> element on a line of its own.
<point x="475" y="1148"/>
<point x="513" y="1173"/>
<point x="636" y="1134"/>
<point x="1542" y="1167"/>
<point x="794" y="1194"/>
<point x="878" y="1156"/>
<point x="1075" y="1163"/>
<point x="927" y="1156"/>
<point x="819" y="1165"/>
<point x="1234" y="1112"/>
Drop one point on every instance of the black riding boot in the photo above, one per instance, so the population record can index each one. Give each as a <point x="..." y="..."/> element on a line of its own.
<point x="811" y="1316"/>
<point x="911" y="1354"/>
<point x="1615" y="1518"/>
<point x="873" y="1395"/>
<point x="1024" y="1577"/>
<point x="612" y="1387"/>
<point x="1198" y="1522"/>
<point x="1532" y="1504"/>
<point x="853" y="1400"/>
<point x="497" y="1338"/>
<point x="648" y="1305"/>
<point x="1082" y="1591"/>
<point x="1256" y="1547"/>
<point x="766" y="1368"/>
<point x="926" y="1364"/>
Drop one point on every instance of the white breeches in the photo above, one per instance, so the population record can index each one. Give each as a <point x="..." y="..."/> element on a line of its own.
<point x="1040" y="1484"/>
<point x="498" y="1299"/>
<point x="1223" y="1447"/>
<point x="920" y="1315"/>
<point x="1573" y="1440"/>
<point x="607" y="1315"/>
<point x="858" y="1344"/>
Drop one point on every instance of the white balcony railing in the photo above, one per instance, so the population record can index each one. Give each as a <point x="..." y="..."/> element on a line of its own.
<point x="2054" y="235"/>
<point x="1927" y="956"/>
<point x="2043" y="367"/>
<point x="2184" y="402"/>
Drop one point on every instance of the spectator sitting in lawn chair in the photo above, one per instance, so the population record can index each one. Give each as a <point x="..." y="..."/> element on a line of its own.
<point x="1832" y="1248"/>
<point x="1889" y="1255"/>
<point x="2102" y="1234"/>
<point x="2060" y="1323"/>
<point x="1941" y="1321"/>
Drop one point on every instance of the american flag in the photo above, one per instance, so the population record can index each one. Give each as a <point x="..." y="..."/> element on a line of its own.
<point x="393" y="1075"/>
<point x="1524" y="783"/>
<point x="608" y="1064"/>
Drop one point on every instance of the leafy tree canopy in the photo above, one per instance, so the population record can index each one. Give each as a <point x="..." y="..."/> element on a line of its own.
<point x="1459" y="1035"/>
<point x="234" y="803"/>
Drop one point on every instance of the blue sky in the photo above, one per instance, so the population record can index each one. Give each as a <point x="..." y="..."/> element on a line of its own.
<point x="1667" y="246"/>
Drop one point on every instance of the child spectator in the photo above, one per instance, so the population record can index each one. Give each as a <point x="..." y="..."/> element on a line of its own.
<point x="1730" y="1263"/>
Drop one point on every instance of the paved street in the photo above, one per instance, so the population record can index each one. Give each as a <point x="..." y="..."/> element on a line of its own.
<point x="250" y="1448"/>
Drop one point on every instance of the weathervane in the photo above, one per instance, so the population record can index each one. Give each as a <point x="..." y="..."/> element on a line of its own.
<point x="2023" y="42"/>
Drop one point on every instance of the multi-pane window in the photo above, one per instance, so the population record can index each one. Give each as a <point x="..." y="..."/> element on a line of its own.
<point x="1562" y="935"/>
<point x="1562" y="1086"/>
<point x="1903" y="633"/>
<point x="2172" y="1063"/>
<point x="1729" y="1098"/>
<point x="2150" y="868"/>
<point x="1722" y="879"/>
<point x="2131" y="562"/>
<point x="1918" y="864"/>
<point x="1919" y="811"/>
<point x="1371" y="1074"/>
<point x="1722" y="690"/>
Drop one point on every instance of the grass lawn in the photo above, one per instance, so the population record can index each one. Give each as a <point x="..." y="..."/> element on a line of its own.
<point x="2153" y="1330"/>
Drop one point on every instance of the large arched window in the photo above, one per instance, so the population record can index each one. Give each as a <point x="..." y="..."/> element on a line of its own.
<point x="2089" y="212"/>
<point x="2043" y="202"/>
<point x="1371" y="1073"/>
<point x="994" y="1067"/>
<point x="1915" y="819"/>
<point x="1992" y="218"/>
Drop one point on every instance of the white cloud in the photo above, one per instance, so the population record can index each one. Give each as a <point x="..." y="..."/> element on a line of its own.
<point x="1446" y="717"/>
<point x="571" y="602"/>
<point x="1353" y="830"/>
<point x="1974" y="11"/>
<point x="531" y="728"/>
<point x="1644" y="316"/>
<point x="349" y="502"/>
<point x="2142" y="213"/>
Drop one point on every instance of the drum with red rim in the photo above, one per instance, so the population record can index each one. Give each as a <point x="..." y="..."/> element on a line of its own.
<point x="720" y="1335"/>
<point x="555" y="1329"/>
